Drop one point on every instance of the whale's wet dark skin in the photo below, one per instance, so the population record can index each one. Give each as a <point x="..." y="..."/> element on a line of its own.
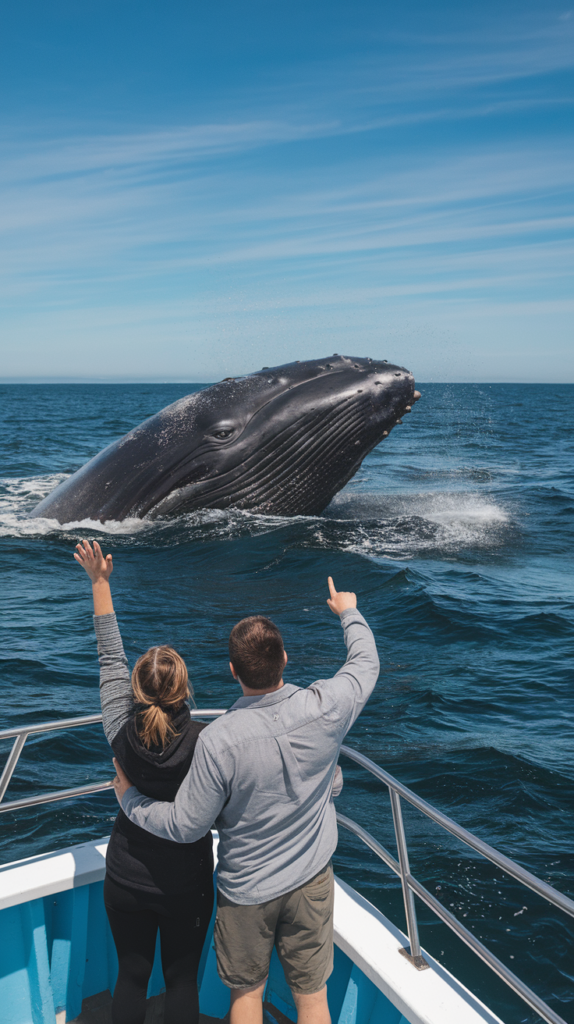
<point x="282" y="441"/>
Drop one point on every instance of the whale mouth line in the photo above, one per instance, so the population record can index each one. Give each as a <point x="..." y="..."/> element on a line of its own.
<point x="303" y="425"/>
<point x="206" y="450"/>
<point x="283" y="457"/>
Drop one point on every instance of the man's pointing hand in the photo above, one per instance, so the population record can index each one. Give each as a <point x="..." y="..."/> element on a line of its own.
<point x="339" y="602"/>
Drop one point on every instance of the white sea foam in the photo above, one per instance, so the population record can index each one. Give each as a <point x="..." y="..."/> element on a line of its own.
<point x="19" y="495"/>
<point x="402" y="525"/>
<point x="394" y="526"/>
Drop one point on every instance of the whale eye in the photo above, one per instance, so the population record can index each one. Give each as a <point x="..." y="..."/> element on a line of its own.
<point x="222" y="434"/>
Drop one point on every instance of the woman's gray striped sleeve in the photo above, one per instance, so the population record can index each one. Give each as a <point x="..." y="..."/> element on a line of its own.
<point x="116" y="694"/>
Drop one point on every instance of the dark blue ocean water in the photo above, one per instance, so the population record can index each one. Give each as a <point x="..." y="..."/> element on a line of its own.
<point x="457" y="536"/>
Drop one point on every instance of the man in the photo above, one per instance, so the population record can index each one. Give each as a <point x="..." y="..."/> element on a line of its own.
<point x="263" y="773"/>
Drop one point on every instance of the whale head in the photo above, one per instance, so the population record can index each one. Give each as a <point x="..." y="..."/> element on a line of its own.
<point x="280" y="441"/>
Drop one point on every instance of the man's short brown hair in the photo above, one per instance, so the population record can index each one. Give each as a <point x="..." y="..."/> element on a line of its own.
<point x="257" y="653"/>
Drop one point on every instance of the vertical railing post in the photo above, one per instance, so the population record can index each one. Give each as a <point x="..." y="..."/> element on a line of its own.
<point x="414" y="954"/>
<point x="12" y="762"/>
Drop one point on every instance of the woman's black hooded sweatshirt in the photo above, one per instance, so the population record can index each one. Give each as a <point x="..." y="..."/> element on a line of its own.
<point x="136" y="858"/>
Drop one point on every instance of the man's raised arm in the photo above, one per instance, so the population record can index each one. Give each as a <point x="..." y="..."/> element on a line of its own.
<point x="356" y="680"/>
<point x="197" y="804"/>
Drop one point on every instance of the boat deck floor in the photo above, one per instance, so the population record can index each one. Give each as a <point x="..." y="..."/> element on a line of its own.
<point x="98" y="1010"/>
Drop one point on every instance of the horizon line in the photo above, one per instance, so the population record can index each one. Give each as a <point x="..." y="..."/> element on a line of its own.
<point x="196" y="383"/>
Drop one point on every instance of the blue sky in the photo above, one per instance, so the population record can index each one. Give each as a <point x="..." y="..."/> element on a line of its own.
<point x="195" y="190"/>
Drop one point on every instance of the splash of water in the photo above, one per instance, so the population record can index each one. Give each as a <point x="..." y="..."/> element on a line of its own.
<point x="371" y="525"/>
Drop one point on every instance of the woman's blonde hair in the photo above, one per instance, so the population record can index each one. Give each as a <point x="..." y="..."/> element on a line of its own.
<point x="160" y="683"/>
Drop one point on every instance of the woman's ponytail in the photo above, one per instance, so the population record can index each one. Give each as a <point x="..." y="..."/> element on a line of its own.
<point x="160" y="685"/>
<point x="154" y="727"/>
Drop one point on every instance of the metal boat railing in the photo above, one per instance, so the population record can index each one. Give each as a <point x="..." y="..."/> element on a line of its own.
<point x="20" y="735"/>
<point x="410" y="885"/>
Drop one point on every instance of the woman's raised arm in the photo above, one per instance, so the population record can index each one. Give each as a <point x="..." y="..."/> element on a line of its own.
<point x="116" y="694"/>
<point x="99" y="569"/>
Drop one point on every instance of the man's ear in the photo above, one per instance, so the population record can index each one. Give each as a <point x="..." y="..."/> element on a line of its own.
<point x="285" y="656"/>
<point x="233" y="672"/>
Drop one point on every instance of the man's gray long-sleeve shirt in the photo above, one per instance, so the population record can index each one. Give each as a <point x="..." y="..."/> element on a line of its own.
<point x="262" y="774"/>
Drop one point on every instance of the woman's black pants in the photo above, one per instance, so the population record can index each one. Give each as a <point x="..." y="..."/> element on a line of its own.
<point x="182" y="920"/>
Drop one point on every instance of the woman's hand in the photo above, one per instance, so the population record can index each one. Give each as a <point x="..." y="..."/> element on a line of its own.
<point x="96" y="566"/>
<point x="99" y="569"/>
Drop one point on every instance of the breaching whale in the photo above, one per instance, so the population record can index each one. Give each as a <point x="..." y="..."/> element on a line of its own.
<point x="281" y="441"/>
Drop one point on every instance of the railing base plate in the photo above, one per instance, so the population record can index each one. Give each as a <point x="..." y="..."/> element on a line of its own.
<point x="418" y="962"/>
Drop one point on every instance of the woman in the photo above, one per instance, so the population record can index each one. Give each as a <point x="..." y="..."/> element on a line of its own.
<point x="151" y="884"/>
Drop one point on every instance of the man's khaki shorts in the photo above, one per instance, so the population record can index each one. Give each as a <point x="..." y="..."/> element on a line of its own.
<point x="299" y="924"/>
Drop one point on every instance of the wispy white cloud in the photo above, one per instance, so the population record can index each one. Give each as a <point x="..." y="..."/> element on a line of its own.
<point x="62" y="157"/>
<point x="157" y="227"/>
<point x="403" y="69"/>
<point x="144" y="156"/>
